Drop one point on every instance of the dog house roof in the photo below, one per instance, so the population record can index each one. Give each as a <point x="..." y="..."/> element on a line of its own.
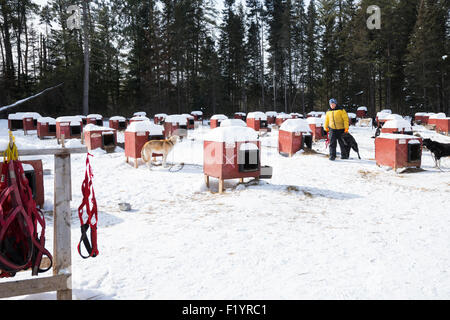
<point x="283" y="115"/>
<point x="386" y="111"/>
<point x="76" y="120"/>
<point x="257" y="115"/>
<point x="271" y="113"/>
<point x="232" y="134"/>
<point x="93" y="127"/>
<point x="161" y="115"/>
<point x="95" y="116"/>
<point x="48" y="120"/>
<point x="177" y="118"/>
<point x="146" y="125"/>
<point x="420" y="114"/>
<point x="198" y="113"/>
<point x="22" y="115"/>
<point x="240" y="113"/>
<point x="219" y="117"/>
<point x="117" y="118"/>
<point x="233" y="122"/>
<point x="440" y="115"/>
<point x="362" y="109"/>
<point x="140" y="113"/>
<point x="398" y="124"/>
<point x="295" y="125"/>
<point x="394" y="117"/>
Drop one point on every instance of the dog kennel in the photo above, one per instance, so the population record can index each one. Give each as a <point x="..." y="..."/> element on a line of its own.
<point x="70" y="126"/>
<point x="176" y="124"/>
<point x="216" y="120"/>
<point x="397" y="126"/>
<point x="257" y="121"/>
<point x="96" y="119"/>
<point x="34" y="172"/>
<point x="46" y="127"/>
<point x="281" y="118"/>
<point x="190" y="121"/>
<point x="159" y="118"/>
<point x="137" y="134"/>
<point x="398" y="150"/>
<point x="198" y="115"/>
<point x="233" y="152"/>
<point x="271" y="117"/>
<point x="100" y="137"/>
<point x="23" y="121"/>
<point x="316" y="126"/>
<point x="118" y="123"/>
<point x="361" y="112"/>
<point x="240" y="115"/>
<point x="443" y="125"/>
<point x="293" y="136"/>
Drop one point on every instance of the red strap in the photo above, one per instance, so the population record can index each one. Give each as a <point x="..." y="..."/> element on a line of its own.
<point x="91" y="222"/>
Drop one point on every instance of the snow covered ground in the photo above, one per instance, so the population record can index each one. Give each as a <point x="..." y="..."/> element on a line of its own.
<point x="317" y="230"/>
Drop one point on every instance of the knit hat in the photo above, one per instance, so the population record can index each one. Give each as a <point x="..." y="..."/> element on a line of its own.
<point x="333" y="101"/>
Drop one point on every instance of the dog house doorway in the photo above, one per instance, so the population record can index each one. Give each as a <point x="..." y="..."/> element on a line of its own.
<point x="75" y="130"/>
<point x="248" y="158"/>
<point x="414" y="152"/>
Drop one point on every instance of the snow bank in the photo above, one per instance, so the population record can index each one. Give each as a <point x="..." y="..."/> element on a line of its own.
<point x="295" y="125"/>
<point x="188" y="116"/>
<point x="146" y="125"/>
<point x="394" y="117"/>
<point x="257" y="115"/>
<point x="233" y="123"/>
<point x="386" y="111"/>
<point x="295" y="114"/>
<point x="232" y="134"/>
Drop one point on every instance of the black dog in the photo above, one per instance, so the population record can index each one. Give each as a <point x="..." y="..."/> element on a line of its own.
<point x="438" y="150"/>
<point x="350" y="143"/>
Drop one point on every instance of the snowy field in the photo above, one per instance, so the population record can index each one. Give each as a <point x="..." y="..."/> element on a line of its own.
<point x="317" y="230"/>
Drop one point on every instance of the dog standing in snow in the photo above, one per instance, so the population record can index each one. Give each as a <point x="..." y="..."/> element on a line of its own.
<point x="438" y="150"/>
<point x="159" y="147"/>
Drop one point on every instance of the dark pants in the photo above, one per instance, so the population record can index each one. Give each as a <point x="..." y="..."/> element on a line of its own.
<point x="335" y="137"/>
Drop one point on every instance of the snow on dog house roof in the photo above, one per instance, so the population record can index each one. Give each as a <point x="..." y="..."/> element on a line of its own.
<point x="271" y="113"/>
<point x="140" y="113"/>
<point x="219" y="117"/>
<point x="232" y="134"/>
<point x="161" y="115"/>
<point x="240" y="113"/>
<point x="22" y="115"/>
<point x="233" y="123"/>
<point x="93" y="127"/>
<point x="386" y="111"/>
<point x="95" y="116"/>
<point x="283" y="115"/>
<point x="395" y="136"/>
<point x="140" y="118"/>
<point x="440" y="115"/>
<point x="257" y="115"/>
<point x="394" y="117"/>
<point x="362" y="109"/>
<point x="197" y="113"/>
<point x="74" y="120"/>
<point x="188" y="116"/>
<point x="146" y="125"/>
<point x="295" y="125"/>
<point x="383" y="115"/>
<point x="117" y="118"/>
<point x="316" y="113"/>
<point x="177" y="118"/>
<point x="48" y="120"/>
<point x="398" y="124"/>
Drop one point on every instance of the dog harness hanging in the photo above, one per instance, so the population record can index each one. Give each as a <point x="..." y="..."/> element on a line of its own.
<point x="91" y="223"/>
<point x="21" y="247"/>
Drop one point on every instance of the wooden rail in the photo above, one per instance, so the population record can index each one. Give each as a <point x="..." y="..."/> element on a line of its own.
<point x="61" y="280"/>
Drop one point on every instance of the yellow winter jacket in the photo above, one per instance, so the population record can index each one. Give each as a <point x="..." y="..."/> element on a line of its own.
<point x="336" y="119"/>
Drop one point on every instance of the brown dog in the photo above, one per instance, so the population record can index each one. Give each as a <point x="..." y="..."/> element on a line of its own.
<point x="159" y="147"/>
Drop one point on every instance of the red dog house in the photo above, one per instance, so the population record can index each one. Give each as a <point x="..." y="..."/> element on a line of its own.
<point x="433" y="118"/>
<point x="176" y="124"/>
<point x="216" y="119"/>
<point x="23" y="121"/>
<point x="443" y="126"/>
<point x="361" y="112"/>
<point x="232" y="153"/>
<point x="100" y="137"/>
<point x="397" y="126"/>
<point x="96" y="119"/>
<point x="46" y="127"/>
<point x="35" y="174"/>
<point x="159" y="118"/>
<point x="316" y="126"/>
<point x="117" y="122"/>
<point x="190" y="121"/>
<point x="398" y="150"/>
<point x="198" y="115"/>
<point x="293" y="135"/>
<point x="240" y="115"/>
<point x="257" y="121"/>
<point x="71" y="127"/>
<point x="271" y="117"/>
<point x="282" y="117"/>
<point x="83" y="119"/>
<point x="137" y="134"/>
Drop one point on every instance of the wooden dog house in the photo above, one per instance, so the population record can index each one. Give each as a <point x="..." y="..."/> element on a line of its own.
<point x="293" y="135"/>
<point x="25" y="121"/>
<point x="233" y="153"/>
<point x="35" y="174"/>
<point x="257" y="121"/>
<point x="240" y="115"/>
<point x="216" y="119"/>
<point x="159" y="118"/>
<point x="100" y="137"/>
<point x="118" y="123"/>
<point x="397" y="126"/>
<point x="46" y="127"/>
<point x="316" y="126"/>
<point x="198" y="115"/>
<point x="190" y="121"/>
<point x="361" y="112"/>
<point x="271" y="117"/>
<point x="96" y="119"/>
<point x="282" y="117"/>
<point x="175" y="124"/>
<point x="70" y="126"/>
<point x="137" y="134"/>
<point x="398" y="150"/>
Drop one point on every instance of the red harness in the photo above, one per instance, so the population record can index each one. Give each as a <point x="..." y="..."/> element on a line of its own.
<point x="87" y="189"/>
<point x="21" y="246"/>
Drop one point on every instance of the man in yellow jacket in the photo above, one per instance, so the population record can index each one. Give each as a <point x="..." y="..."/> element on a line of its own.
<point x="336" y="123"/>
